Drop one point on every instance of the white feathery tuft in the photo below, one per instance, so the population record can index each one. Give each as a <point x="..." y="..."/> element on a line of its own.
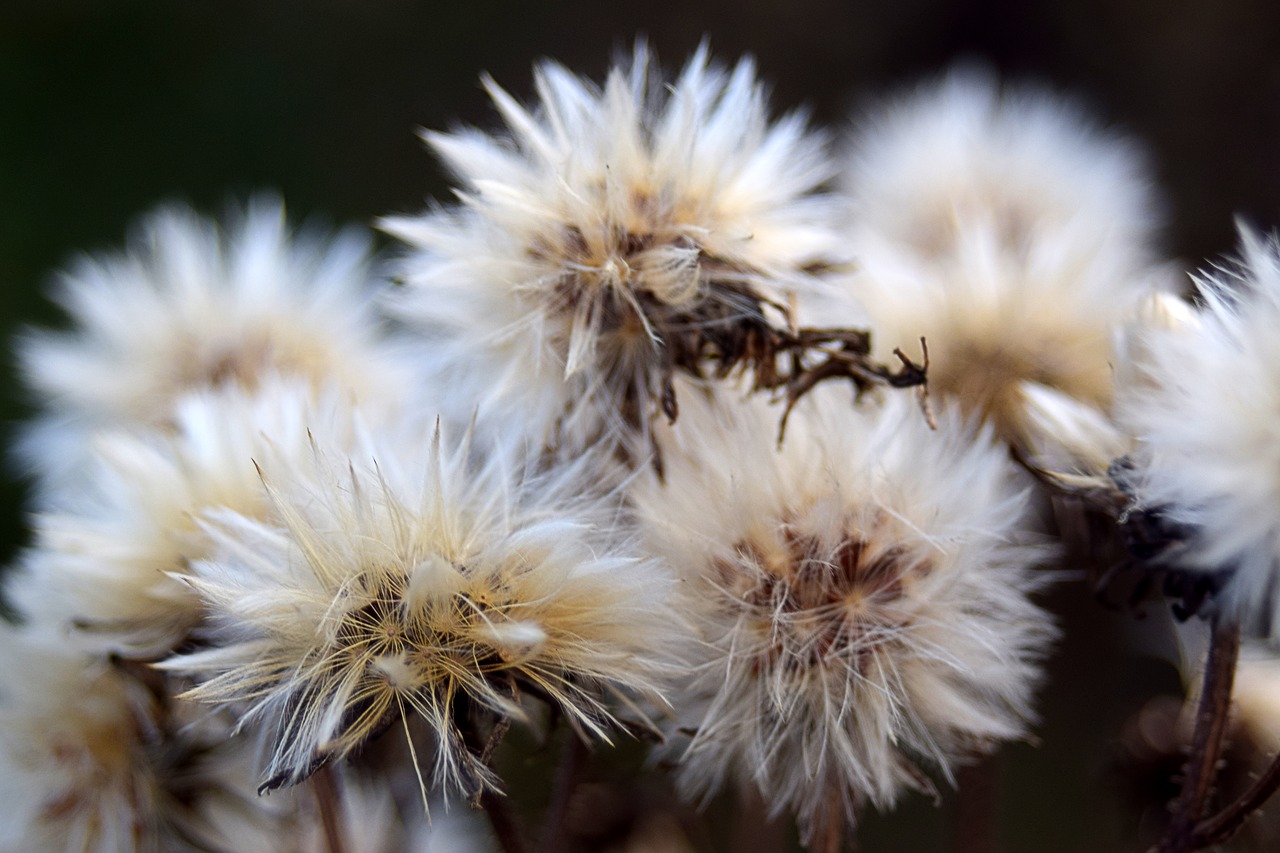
<point x="420" y="584"/>
<point x="1009" y="233"/>
<point x="1204" y="408"/>
<point x="862" y="595"/>
<point x="604" y="227"/>
<point x="193" y="307"/>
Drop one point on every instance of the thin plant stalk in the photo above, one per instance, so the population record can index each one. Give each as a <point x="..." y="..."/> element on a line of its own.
<point x="1221" y="826"/>
<point x="1207" y="740"/>
<point x="328" y="803"/>
<point x="974" y="824"/>
<point x="573" y="761"/>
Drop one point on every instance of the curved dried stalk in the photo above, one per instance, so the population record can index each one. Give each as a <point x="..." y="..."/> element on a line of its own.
<point x="573" y="761"/>
<point x="329" y="804"/>
<point x="1207" y="740"/>
<point x="1221" y="826"/>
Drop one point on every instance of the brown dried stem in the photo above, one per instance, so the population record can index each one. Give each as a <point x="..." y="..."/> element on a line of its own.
<point x="329" y="803"/>
<point x="851" y="361"/>
<point x="502" y="818"/>
<point x="974" y="825"/>
<point x="737" y="330"/>
<point x="1220" y="827"/>
<point x="1207" y="740"/>
<point x="572" y="762"/>
<point x="754" y="829"/>
<point x="828" y="834"/>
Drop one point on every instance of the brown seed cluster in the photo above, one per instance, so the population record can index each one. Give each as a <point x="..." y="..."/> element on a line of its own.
<point x="815" y="601"/>
<point x="729" y="327"/>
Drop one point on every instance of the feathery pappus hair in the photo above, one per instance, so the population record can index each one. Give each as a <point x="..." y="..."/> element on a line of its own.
<point x="1006" y="230"/>
<point x="194" y="305"/>
<point x="95" y="755"/>
<point x="105" y="552"/>
<point x="863" y="595"/>
<point x="612" y="237"/>
<point x="1082" y="448"/>
<point x="964" y="153"/>
<point x="1203" y="410"/>
<point x="421" y="578"/>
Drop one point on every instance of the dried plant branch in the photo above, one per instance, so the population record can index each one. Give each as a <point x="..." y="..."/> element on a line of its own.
<point x="828" y="833"/>
<point x="851" y="361"/>
<point x="329" y="804"/>
<point x="974" y="825"/>
<point x="573" y="761"/>
<point x="754" y="828"/>
<point x="499" y="731"/>
<point x="736" y="329"/>
<point x="1221" y="826"/>
<point x="503" y="820"/>
<point x="1207" y="740"/>
<point x="502" y="817"/>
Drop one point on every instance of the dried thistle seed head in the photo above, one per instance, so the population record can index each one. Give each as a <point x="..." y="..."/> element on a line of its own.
<point x="75" y="772"/>
<point x="616" y="236"/>
<point x="1080" y="447"/>
<point x="101" y="568"/>
<point x="967" y="152"/>
<point x="1008" y="232"/>
<point x="424" y="584"/>
<point x="192" y="307"/>
<point x="863" y="598"/>
<point x="1203" y="408"/>
<point x="97" y="756"/>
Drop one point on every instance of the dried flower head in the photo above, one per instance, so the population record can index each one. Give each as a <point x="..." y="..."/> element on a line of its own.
<point x="104" y="554"/>
<point x="615" y="237"/>
<point x="1008" y="233"/>
<point x="194" y="307"/>
<point x="95" y="755"/>
<point x="428" y="586"/>
<point x="962" y="154"/>
<point x="1204" y="414"/>
<point x="863" y="598"/>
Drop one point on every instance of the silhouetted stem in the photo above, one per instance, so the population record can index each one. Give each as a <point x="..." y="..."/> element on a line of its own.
<point x="1223" y="825"/>
<point x="977" y="801"/>
<point x="572" y="763"/>
<point x="506" y="827"/>
<point x="1207" y="739"/>
<point x="753" y="829"/>
<point x="828" y="834"/>
<point x="329" y="804"/>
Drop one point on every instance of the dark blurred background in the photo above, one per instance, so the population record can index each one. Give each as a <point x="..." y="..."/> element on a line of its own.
<point x="107" y="108"/>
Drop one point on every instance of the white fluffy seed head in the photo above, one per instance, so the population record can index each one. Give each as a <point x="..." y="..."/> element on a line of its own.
<point x="1204" y="409"/>
<point x="105" y="551"/>
<point x="71" y="743"/>
<point x="194" y="306"/>
<point x="97" y="755"/>
<point x="417" y="578"/>
<point x="964" y="153"/>
<point x="862" y="595"/>
<point x="1006" y="231"/>
<point x="603" y="229"/>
